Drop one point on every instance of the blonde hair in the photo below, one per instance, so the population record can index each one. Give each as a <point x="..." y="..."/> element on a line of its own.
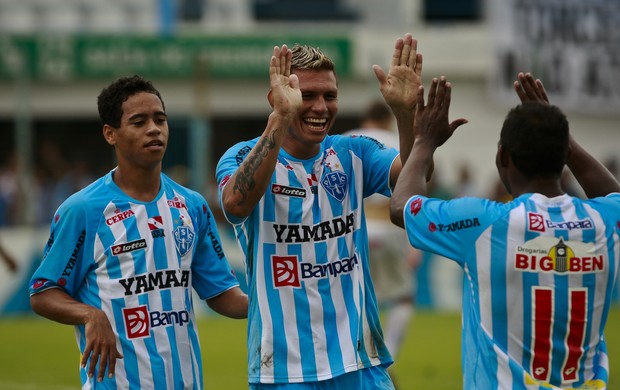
<point x="310" y="58"/>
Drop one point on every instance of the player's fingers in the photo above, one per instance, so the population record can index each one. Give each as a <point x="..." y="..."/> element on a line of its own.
<point x="432" y="91"/>
<point x="529" y="85"/>
<point x="447" y="96"/>
<point x="103" y="363"/>
<point x="283" y="59"/>
<point x="418" y="64"/>
<point x="413" y="54"/>
<point x="420" y="103"/>
<point x="404" y="54"/>
<point x="542" y="91"/>
<point x="85" y="355"/>
<point x="94" y="358"/>
<point x="441" y="91"/>
<point x="112" y="363"/>
<point x="519" y="91"/>
<point x="398" y="49"/>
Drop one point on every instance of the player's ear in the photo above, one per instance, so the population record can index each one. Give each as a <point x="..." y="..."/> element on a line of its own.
<point x="270" y="98"/>
<point x="503" y="156"/>
<point x="109" y="134"/>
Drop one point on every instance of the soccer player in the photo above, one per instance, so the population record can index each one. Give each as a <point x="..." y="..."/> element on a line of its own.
<point x="125" y="252"/>
<point x="540" y="269"/>
<point x="295" y="197"/>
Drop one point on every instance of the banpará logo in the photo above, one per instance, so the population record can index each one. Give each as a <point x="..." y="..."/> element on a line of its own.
<point x="139" y="320"/>
<point x="289" y="272"/>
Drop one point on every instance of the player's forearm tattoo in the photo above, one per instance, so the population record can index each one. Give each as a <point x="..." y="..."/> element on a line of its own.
<point x="244" y="182"/>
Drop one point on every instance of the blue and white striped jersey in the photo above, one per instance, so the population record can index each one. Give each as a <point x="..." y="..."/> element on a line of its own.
<point x="539" y="276"/>
<point x="313" y="313"/>
<point x="138" y="263"/>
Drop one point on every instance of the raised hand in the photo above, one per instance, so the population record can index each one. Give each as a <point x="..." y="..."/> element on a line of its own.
<point x="530" y="90"/>
<point x="431" y="124"/>
<point x="285" y="93"/>
<point x="400" y="87"/>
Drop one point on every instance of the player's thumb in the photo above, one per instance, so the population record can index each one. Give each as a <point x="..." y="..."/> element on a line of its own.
<point x="293" y="81"/>
<point x="379" y="73"/>
<point x="457" y="123"/>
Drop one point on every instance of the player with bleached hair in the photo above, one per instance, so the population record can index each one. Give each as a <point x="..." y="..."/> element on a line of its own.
<point x="295" y="197"/>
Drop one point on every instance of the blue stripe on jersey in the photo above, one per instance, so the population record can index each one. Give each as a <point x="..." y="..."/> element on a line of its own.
<point x="499" y="295"/>
<point x="560" y="308"/>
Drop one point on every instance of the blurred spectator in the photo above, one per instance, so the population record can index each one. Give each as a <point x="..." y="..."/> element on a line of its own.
<point x="8" y="259"/>
<point x="465" y="185"/>
<point x="392" y="264"/>
<point x="58" y="177"/>
<point x="10" y="191"/>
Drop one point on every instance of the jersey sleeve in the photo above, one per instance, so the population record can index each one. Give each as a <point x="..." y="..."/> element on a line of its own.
<point x="211" y="272"/>
<point x="226" y="167"/>
<point x="378" y="160"/>
<point x="448" y="228"/>
<point x="64" y="263"/>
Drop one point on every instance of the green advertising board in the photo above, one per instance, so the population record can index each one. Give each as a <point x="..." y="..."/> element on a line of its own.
<point x="56" y="57"/>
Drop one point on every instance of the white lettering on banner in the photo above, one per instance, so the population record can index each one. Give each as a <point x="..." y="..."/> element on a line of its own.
<point x="572" y="46"/>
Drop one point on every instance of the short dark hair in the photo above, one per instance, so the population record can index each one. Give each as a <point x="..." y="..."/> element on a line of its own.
<point x="536" y="137"/>
<point x="377" y="111"/>
<point x="110" y="100"/>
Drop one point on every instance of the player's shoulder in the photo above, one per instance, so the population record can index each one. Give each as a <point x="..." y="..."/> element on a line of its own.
<point x="240" y="150"/>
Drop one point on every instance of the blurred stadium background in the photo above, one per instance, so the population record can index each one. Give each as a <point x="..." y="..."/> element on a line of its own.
<point x="209" y="59"/>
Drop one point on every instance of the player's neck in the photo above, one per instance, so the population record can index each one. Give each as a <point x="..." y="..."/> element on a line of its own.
<point x="142" y="185"/>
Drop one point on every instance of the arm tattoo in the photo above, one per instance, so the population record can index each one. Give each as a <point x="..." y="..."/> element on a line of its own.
<point x="244" y="182"/>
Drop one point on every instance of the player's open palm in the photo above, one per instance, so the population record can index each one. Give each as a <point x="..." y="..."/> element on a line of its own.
<point x="431" y="122"/>
<point x="286" y="95"/>
<point x="400" y="87"/>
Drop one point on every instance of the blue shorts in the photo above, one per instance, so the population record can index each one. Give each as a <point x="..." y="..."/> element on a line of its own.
<point x="372" y="378"/>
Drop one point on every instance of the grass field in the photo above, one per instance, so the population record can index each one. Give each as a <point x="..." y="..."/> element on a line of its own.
<point x="39" y="354"/>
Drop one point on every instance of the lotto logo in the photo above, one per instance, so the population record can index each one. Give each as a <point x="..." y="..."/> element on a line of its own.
<point x="128" y="247"/>
<point x="136" y="322"/>
<point x="536" y="222"/>
<point x="285" y="271"/>
<point x="415" y="206"/>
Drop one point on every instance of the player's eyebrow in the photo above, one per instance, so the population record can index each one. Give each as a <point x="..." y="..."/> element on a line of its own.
<point x="143" y="115"/>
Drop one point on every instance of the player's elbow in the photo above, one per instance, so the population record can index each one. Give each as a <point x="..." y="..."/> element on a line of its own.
<point x="396" y="213"/>
<point x="232" y="206"/>
<point x="37" y="304"/>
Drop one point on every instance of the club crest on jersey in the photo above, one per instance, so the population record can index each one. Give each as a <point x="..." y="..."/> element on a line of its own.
<point x="183" y="239"/>
<point x="336" y="184"/>
<point x="550" y="254"/>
